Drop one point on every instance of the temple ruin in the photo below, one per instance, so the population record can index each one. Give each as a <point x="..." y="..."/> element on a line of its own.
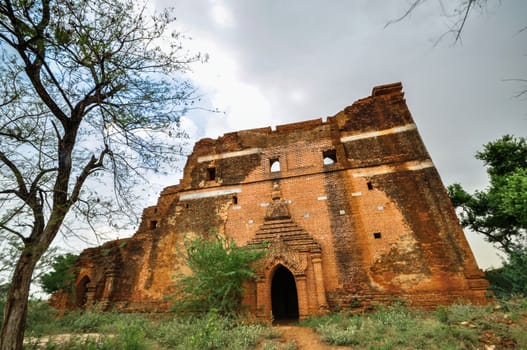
<point x="351" y="207"/>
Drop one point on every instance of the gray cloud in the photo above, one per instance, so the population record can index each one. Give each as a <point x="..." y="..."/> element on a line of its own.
<point x="310" y="59"/>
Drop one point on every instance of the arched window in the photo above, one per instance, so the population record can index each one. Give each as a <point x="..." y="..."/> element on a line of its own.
<point x="275" y="165"/>
<point x="330" y="156"/>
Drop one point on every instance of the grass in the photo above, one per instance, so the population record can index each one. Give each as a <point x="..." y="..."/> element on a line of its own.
<point x="453" y="327"/>
<point x="138" y="331"/>
<point x="388" y="327"/>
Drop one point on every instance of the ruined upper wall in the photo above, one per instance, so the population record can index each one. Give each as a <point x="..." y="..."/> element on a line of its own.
<point x="372" y="131"/>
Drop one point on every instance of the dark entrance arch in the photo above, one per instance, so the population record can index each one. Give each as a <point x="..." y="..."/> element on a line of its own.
<point x="284" y="297"/>
<point x="81" y="291"/>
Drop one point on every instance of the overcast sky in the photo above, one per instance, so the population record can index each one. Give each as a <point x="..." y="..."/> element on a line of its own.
<point x="274" y="62"/>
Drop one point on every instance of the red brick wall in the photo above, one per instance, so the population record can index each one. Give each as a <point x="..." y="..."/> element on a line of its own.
<point x="380" y="215"/>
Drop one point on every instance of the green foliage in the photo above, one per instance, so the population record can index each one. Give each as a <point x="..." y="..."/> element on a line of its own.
<point x="500" y="212"/>
<point x="510" y="279"/>
<point x="219" y="269"/>
<point x="392" y="327"/>
<point x="208" y="331"/>
<point x="91" y="96"/>
<point x="453" y="327"/>
<point x="62" y="275"/>
<point x="137" y="331"/>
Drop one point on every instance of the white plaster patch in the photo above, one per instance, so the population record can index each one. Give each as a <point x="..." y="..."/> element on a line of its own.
<point x="387" y="169"/>
<point x="207" y="194"/>
<point x="342" y="212"/>
<point x="236" y="207"/>
<point x="322" y="198"/>
<point x="367" y="135"/>
<point x="356" y="194"/>
<point x="380" y="207"/>
<point x="244" y="152"/>
<point x="264" y="204"/>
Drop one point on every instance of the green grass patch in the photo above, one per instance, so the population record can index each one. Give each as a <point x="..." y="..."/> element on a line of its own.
<point x="131" y="331"/>
<point x="453" y="327"/>
<point x="388" y="327"/>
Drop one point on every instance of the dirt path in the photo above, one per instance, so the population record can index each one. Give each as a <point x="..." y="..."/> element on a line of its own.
<point x="305" y="338"/>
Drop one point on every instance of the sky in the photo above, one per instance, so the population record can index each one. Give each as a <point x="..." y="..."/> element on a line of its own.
<point x="274" y="62"/>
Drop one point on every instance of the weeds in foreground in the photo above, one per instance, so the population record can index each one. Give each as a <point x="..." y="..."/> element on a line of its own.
<point x="453" y="327"/>
<point x="393" y="327"/>
<point x="137" y="332"/>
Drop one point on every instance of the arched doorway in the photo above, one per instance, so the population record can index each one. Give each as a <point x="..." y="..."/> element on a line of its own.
<point x="81" y="292"/>
<point x="284" y="298"/>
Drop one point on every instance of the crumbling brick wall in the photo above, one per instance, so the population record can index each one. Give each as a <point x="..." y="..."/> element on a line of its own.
<point x="352" y="208"/>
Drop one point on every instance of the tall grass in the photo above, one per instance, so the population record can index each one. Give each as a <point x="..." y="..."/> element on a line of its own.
<point x="388" y="327"/>
<point x="454" y="327"/>
<point x="137" y="331"/>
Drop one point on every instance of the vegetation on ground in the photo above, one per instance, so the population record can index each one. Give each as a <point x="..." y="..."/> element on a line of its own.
<point x="386" y="327"/>
<point x="454" y="327"/>
<point x="114" y="330"/>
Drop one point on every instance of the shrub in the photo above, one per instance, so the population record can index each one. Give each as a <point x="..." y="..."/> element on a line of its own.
<point x="209" y="331"/>
<point x="510" y="279"/>
<point x="62" y="275"/>
<point x="219" y="268"/>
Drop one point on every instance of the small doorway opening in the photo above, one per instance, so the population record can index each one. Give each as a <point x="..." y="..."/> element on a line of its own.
<point x="284" y="296"/>
<point x="81" y="292"/>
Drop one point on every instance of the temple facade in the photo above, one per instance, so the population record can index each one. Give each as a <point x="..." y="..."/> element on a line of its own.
<point x="351" y="208"/>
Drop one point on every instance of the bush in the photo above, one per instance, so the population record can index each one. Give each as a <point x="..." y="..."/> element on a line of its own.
<point x="215" y="286"/>
<point x="510" y="279"/>
<point x="41" y="319"/>
<point x="62" y="275"/>
<point x="394" y="327"/>
<point x="209" y="331"/>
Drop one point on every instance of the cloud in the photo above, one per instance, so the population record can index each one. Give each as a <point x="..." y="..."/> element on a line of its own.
<point x="221" y="14"/>
<point x="274" y="62"/>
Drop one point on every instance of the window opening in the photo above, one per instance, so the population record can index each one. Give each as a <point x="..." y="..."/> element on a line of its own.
<point x="377" y="235"/>
<point x="211" y="174"/>
<point x="330" y="156"/>
<point x="275" y="165"/>
<point x="153" y="224"/>
<point x="187" y="205"/>
<point x="234" y="200"/>
<point x="370" y="186"/>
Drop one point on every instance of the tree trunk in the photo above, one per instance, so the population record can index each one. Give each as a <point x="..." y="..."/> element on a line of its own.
<point x="15" y="309"/>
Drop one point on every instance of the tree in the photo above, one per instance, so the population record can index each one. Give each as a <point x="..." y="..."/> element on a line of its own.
<point x="457" y="15"/>
<point x="500" y="212"/>
<point x="90" y="97"/>
<point x="219" y="268"/>
<point x="61" y="276"/>
<point x="10" y="249"/>
<point x="510" y="279"/>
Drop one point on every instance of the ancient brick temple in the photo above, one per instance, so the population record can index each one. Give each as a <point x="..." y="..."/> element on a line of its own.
<point x="352" y="208"/>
